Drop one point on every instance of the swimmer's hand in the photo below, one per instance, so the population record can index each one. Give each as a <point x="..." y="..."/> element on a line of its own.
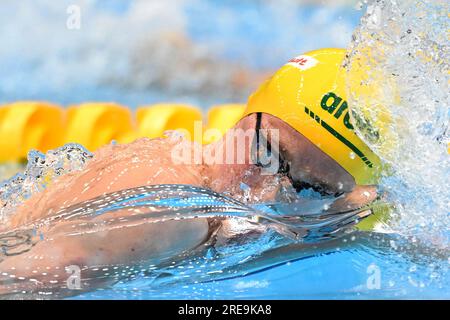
<point x="320" y="219"/>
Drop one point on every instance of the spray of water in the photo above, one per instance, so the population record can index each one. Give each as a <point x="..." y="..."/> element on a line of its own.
<point x="398" y="90"/>
<point x="41" y="170"/>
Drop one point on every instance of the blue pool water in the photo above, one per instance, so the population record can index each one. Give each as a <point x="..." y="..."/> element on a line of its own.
<point x="335" y="273"/>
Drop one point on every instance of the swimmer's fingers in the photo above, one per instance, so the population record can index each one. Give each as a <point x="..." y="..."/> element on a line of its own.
<point x="339" y="226"/>
<point x="321" y="228"/>
<point x="344" y="222"/>
<point x="359" y="197"/>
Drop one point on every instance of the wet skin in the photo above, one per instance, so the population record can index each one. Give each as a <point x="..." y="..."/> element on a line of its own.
<point x="147" y="162"/>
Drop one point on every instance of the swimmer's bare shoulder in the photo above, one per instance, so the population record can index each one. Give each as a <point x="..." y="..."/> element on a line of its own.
<point x="113" y="168"/>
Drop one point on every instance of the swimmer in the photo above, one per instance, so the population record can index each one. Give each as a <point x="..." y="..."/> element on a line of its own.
<point x="310" y="154"/>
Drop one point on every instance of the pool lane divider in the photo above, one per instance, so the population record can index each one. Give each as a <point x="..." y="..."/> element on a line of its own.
<point x="153" y="120"/>
<point x="29" y="125"/>
<point x="96" y="124"/>
<point x="42" y="126"/>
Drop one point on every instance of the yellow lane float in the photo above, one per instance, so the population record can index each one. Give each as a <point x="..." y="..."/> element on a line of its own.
<point x="153" y="120"/>
<point x="29" y="125"/>
<point x="97" y="124"/>
<point x="220" y="119"/>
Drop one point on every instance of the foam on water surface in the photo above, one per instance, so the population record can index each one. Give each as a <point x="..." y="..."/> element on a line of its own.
<point x="40" y="171"/>
<point x="398" y="76"/>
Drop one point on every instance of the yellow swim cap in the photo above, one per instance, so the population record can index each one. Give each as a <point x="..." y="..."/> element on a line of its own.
<point x="308" y="93"/>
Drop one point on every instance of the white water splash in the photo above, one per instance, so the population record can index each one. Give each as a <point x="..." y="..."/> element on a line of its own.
<point x="398" y="91"/>
<point x="41" y="170"/>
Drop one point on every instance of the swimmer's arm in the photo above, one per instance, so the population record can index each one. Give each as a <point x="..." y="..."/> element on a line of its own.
<point x="44" y="266"/>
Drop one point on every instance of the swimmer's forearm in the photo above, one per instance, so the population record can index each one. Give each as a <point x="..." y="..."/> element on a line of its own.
<point x="44" y="265"/>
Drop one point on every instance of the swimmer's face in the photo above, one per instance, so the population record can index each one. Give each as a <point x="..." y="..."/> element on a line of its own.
<point x="307" y="165"/>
